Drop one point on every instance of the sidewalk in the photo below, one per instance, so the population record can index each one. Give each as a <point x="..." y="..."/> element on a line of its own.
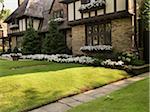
<point x="67" y="103"/>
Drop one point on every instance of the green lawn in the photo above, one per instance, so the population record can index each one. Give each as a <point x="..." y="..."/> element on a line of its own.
<point x="134" y="98"/>
<point x="28" y="66"/>
<point x="28" y="84"/>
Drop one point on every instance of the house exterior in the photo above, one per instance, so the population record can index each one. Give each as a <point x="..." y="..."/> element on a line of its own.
<point x="83" y="22"/>
<point x="101" y="22"/>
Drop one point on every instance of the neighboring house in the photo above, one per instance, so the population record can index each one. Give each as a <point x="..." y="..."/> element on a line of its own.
<point x="27" y="11"/>
<point x="102" y="22"/>
<point x="4" y="43"/>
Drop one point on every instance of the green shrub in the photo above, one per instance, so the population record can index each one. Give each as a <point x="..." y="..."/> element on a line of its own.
<point x="130" y="59"/>
<point x="54" y="41"/>
<point x="127" y="57"/>
<point x="137" y="62"/>
<point x="31" y="42"/>
<point x="15" y="50"/>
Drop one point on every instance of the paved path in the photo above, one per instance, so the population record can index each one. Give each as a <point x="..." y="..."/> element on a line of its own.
<point x="67" y="103"/>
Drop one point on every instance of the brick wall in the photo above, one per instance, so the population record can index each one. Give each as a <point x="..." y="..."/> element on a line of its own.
<point x="122" y="34"/>
<point x="78" y="39"/>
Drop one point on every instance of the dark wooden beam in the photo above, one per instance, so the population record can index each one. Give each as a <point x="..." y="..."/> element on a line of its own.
<point x="115" y="6"/>
<point x="67" y="12"/>
<point x="26" y="23"/>
<point x="127" y="3"/>
<point x="3" y="42"/>
<point x="74" y="10"/>
<point x="117" y="15"/>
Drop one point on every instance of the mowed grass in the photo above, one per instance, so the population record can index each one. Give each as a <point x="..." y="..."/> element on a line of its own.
<point x="30" y="66"/>
<point x="133" y="98"/>
<point x="22" y="90"/>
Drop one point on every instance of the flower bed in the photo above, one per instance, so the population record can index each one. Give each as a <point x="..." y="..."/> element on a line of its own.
<point x="61" y="58"/>
<point x="13" y="56"/>
<point x="97" y="48"/>
<point x="92" y="6"/>
<point x="112" y="63"/>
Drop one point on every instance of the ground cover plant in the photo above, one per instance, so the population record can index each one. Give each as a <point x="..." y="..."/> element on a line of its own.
<point x="22" y="89"/>
<point x="133" y="98"/>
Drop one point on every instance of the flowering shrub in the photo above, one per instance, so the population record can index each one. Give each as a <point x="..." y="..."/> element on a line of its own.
<point x="57" y="20"/>
<point x="96" y="48"/>
<point x="61" y="58"/>
<point x="127" y="57"/>
<point x="90" y="5"/>
<point x="11" y="54"/>
<point x="112" y="63"/>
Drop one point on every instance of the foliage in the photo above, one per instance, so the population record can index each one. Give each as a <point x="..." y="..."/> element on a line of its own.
<point x="5" y="14"/>
<point x="54" y="42"/>
<point x="31" y="42"/>
<point x="16" y="50"/>
<point x="137" y="62"/>
<point x="130" y="58"/>
<point x="127" y="57"/>
<point x="145" y="14"/>
<point x="2" y="8"/>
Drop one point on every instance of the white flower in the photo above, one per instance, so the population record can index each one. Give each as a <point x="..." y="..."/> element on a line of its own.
<point x="90" y="5"/>
<point x="60" y="58"/>
<point x="112" y="63"/>
<point x="96" y="48"/>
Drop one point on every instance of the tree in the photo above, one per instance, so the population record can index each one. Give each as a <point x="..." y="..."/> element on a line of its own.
<point x="5" y="14"/>
<point x="2" y="8"/>
<point x="145" y="14"/>
<point x="31" y="42"/>
<point x="54" y="41"/>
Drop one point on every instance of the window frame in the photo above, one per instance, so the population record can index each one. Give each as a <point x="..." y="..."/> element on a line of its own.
<point x="107" y="40"/>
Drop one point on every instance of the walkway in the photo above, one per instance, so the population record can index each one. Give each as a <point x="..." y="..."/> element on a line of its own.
<point x="67" y="103"/>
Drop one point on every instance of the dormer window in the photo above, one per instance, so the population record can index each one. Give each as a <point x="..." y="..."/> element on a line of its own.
<point x="58" y="14"/>
<point x="15" y="21"/>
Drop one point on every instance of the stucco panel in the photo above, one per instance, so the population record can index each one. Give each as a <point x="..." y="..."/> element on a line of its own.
<point x="70" y="12"/>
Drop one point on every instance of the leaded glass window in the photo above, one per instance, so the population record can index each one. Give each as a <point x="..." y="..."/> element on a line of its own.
<point x="98" y="34"/>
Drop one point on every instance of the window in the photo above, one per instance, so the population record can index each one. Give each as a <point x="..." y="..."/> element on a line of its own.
<point x="98" y="34"/>
<point x="58" y="14"/>
<point x="14" y="21"/>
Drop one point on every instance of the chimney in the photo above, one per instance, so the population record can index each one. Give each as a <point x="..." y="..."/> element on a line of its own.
<point x="20" y="2"/>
